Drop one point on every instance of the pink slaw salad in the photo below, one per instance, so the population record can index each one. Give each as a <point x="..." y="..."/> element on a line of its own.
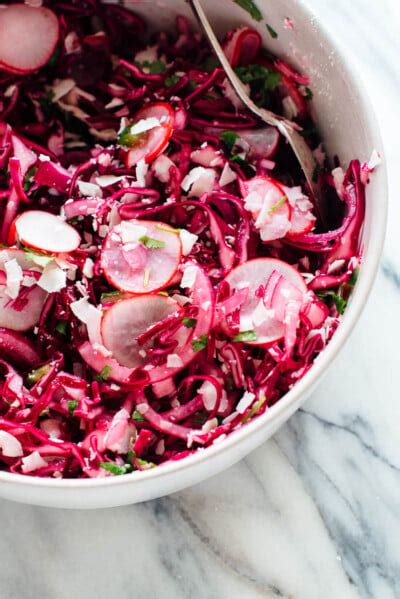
<point x="164" y="275"/>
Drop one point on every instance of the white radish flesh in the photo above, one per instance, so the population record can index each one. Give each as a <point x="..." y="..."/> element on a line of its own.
<point x="266" y="322"/>
<point x="141" y="256"/>
<point x="128" y="319"/>
<point x="46" y="232"/>
<point x="28" y="36"/>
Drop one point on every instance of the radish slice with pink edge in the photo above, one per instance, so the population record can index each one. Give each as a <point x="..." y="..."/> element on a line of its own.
<point x="23" y="312"/>
<point x="242" y="46"/>
<point x="269" y="206"/>
<point x="141" y="256"/>
<point x="263" y="142"/>
<point x="148" y="134"/>
<point x="264" y="319"/>
<point x="28" y="37"/>
<point x="128" y="319"/>
<point x="46" y="232"/>
<point x="202" y="297"/>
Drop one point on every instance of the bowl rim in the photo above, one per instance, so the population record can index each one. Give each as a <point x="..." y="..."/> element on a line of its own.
<point x="298" y="393"/>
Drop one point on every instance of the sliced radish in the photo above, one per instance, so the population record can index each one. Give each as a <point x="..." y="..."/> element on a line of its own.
<point x="23" y="312"/>
<point x="265" y="309"/>
<point x="28" y="37"/>
<point x="46" y="232"/>
<point x="148" y="134"/>
<point x="242" y="46"/>
<point x="316" y="313"/>
<point x="269" y="206"/>
<point x="141" y="256"/>
<point x="262" y="142"/>
<point x="126" y="320"/>
<point x="302" y="218"/>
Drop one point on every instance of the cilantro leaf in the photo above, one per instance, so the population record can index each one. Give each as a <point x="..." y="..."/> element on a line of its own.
<point x="72" y="405"/>
<point x="104" y="374"/>
<point x="151" y="244"/>
<point x="250" y="7"/>
<point x="116" y="469"/>
<point x="172" y="80"/>
<point x="245" y="336"/>
<point x="337" y="299"/>
<point x="228" y="138"/>
<point x="61" y="327"/>
<point x="256" y="407"/>
<point x="309" y="94"/>
<point x="137" y="416"/>
<point x="200" y="343"/>
<point x="35" y="375"/>
<point x="272" y="32"/>
<point x="155" y="67"/>
<point x="189" y="323"/>
<point x="354" y="277"/>
<point x="262" y="81"/>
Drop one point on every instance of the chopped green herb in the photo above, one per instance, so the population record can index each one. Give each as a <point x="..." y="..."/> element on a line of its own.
<point x="228" y="138"/>
<point x="28" y="182"/>
<point x="110" y="295"/>
<point x="137" y="416"/>
<point x="272" y="32"/>
<point x="337" y="299"/>
<point x="251" y="8"/>
<point x="256" y="407"/>
<point x="145" y="463"/>
<point x="262" y="81"/>
<point x="200" y="343"/>
<point x="127" y="139"/>
<point x="164" y="293"/>
<point x="278" y="204"/>
<point x="116" y="469"/>
<point x="245" y="336"/>
<point x="189" y="323"/>
<point x="61" y="327"/>
<point x="309" y="94"/>
<point x="354" y="277"/>
<point x="172" y="80"/>
<point x="244" y="165"/>
<point x="152" y="244"/>
<point x="155" y="67"/>
<point x="38" y="258"/>
<point x="104" y="374"/>
<point x="52" y="62"/>
<point x="72" y="405"/>
<point x="34" y="376"/>
<point x="211" y="63"/>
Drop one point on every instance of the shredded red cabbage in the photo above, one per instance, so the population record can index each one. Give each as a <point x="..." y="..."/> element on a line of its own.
<point x="164" y="278"/>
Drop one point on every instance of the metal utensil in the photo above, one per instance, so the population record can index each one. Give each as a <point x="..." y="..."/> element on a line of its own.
<point x="285" y="127"/>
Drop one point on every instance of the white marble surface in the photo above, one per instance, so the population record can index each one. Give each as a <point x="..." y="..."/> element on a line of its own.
<point x="315" y="512"/>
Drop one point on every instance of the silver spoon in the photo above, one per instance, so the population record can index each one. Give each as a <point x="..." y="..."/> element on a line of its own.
<point x="285" y="127"/>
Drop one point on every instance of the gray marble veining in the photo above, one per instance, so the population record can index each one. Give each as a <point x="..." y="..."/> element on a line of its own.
<point x="315" y="512"/>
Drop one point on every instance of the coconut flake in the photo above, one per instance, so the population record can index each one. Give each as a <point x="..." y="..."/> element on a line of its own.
<point x="10" y="446"/>
<point x="131" y="233"/>
<point x="375" y="160"/>
<point x="108" y="180"/>
<point x="32" y="462"/>
<point x="14" y="276"/>
<point x="144" y="125"/>
<point x="161" y="167"/>
<point x="141" y="172"/>
<point x="209" y="425"/>
<point x="90" y="316"/>
<point x="89" y="189"/>
<point x="199" y="180"/>
<point x="174" y="361"/>
<point x="149" y="54"/>
<point x="228" y="175"/>
<point x="209" y="395"/>
<point x="61" y="88"/>
<point x="245" y="402"/>
<point x="289" y="108"/>
<point x="338" y="179"/>
<point x="88" y="268"/>
<point x="53" y="278"/>
<point x="189" y="277"/>
<point x="188" y="240"/>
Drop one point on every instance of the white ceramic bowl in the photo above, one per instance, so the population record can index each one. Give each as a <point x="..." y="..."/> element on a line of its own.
<point x="349" y="128"/>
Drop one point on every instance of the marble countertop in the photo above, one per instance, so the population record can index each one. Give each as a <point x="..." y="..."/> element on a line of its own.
<point x="312" y="514"/>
